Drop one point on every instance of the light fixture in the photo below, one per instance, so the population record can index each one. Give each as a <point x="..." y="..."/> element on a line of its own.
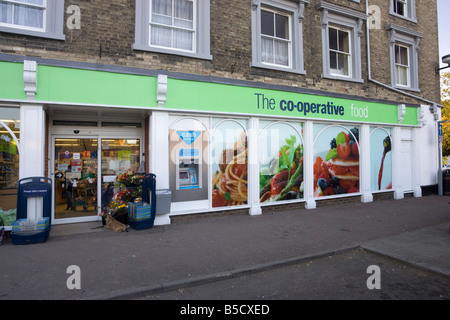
<point x="446" y="60"/>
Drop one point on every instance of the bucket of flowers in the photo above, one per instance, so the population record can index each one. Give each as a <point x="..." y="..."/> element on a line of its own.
<point x="130" y="179"/>
<point x="118" y="206"/>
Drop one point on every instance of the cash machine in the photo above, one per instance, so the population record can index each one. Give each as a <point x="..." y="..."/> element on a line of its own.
<point x="188" y="164"/>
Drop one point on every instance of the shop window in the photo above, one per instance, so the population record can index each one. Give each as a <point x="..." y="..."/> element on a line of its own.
<point x="9" y="164"/>
<point x="277" y="35"/>
<point x="404" y="57"/>
<point x="39" y="18"/>
<point x="405" y="9"/>
<point x="178" y="27"/>
<point x="336" y="160"/>
<point x="229" y="166"/>
<point x="380" y="159"/>
<point x="341" y="42"/>
<point x="280" y="161"/>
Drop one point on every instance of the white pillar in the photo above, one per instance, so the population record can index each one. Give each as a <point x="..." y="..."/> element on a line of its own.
<point x="396" y="157"/>
<point x="364" y="162"/>
<point x="159" y="155"/>
<point x="32" y="151"/>
<point x="308" y="164"/>
<point x="415" y="162"/>
<point x="253" y="168"/>
<point x="32" y="141"/>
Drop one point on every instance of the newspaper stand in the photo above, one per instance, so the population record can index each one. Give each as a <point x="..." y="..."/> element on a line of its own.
<point x="142" y="216"/>
<point x="34" y="187"/>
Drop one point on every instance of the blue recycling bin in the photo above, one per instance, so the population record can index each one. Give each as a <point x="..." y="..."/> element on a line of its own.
<point x="23" y="230"/>
<point x="143" y="216"/>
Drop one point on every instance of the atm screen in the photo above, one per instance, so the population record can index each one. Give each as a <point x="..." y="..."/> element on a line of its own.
<point x="184" y="175"/>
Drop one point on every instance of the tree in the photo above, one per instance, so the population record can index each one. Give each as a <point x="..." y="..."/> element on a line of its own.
<point x="445" y="100"/>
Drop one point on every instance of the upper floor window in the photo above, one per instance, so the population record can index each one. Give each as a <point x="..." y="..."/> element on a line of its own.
<point x="178" y="27"/>
<point x="403" y="8"/>
<point x="275" y="38"/>
<point x="402" y="67"/>
<point x="404" y="55"/>
<point x="341" y="43"/>
<point x="400" y="7"/>
<point x="26" y="14"/>
<point x="340" y="53"/>
<point x="40" y="18"/>
<point x="172" y="24"/>
<point x="277" y="35"/>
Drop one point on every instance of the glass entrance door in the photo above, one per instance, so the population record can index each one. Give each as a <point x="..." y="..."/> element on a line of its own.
<point x="75" y="170"/>
<point x="120" y="164"/>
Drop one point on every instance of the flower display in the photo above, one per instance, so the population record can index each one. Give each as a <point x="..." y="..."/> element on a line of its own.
<point x="130" y="178"/>
<point x="118" y="205"/>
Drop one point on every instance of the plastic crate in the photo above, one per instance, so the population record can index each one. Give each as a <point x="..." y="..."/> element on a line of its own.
<point x="139" y="211"/>
<point x="24" y="225"/>
<point x="37" y="231"/>
<point x="140" y="216"/>
<point x="30" y="237"/>
<point x="141" y="224"/>
<point x="2" y="235"/>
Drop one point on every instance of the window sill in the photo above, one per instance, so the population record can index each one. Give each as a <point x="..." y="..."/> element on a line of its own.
<point x="277" y="68"/>
<point x="32" y="33"/>
<point x="406" y="88"/>
<point x="342" y="78"/>
<point x="140" y="47"/>
<point x="403" y="17"/>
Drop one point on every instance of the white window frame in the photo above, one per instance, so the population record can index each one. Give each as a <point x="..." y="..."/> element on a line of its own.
<point x="295" y="13"/>
<point x="409" y="9"/>
<point x="401" y="36"/>
<point x="335" y="16"/>
<point x="274" y="38"/>
<point x="201" y="42"/>
<point x="173" y="27"/>
<point x="338" y="52"/>
<point x="398" y="64"/>
<point x="19" y="3"/>
<point x="53" y="21"/>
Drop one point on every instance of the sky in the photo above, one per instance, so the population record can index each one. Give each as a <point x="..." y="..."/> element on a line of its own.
<point x="444" y="29"/>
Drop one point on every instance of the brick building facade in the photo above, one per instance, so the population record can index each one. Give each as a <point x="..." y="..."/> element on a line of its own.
<point x="107" y="42"/>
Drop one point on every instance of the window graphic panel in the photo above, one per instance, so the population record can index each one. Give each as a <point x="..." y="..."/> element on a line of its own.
<point x="280" y="148"/>
<point x="336" y="160"/>
<point x="229" y="167"/>
<point x="380" y="159"/>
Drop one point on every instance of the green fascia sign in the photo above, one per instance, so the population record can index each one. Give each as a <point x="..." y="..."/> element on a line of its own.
<point x="223" y="98"/>
<point x="94" y="87"/>
<point x="80" y="86"/>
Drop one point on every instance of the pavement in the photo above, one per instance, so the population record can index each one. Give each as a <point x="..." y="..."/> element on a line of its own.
<point x="209" y="248"/>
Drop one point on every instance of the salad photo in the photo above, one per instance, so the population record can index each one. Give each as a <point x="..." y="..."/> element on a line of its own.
<point x="282" y="177"/>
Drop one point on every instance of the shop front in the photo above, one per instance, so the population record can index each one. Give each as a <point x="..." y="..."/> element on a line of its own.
<point x="217" y="146"/>
<point x="91" y="163"/>
<point x="256" y="147"/>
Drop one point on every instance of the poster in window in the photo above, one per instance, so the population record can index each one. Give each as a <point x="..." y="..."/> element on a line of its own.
<point x="380" y="159"/>
<point x="336" y="160"/>
<point x="280" y="161"/>
<point x="229" y="167"/>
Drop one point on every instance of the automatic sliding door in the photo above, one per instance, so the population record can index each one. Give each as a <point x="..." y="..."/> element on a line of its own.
<point x="75" y="178"/>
